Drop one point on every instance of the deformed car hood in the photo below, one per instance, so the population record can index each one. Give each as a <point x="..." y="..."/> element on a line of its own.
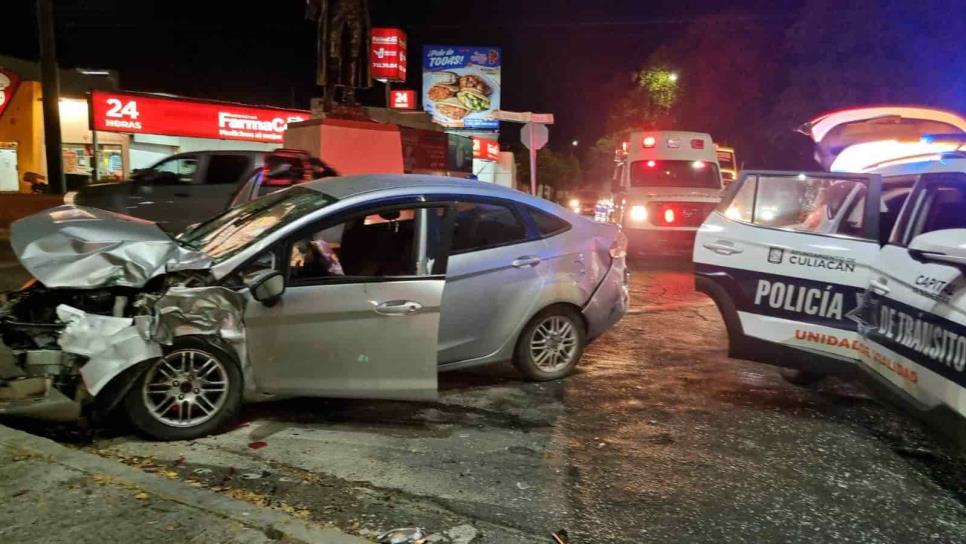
<point x="80" y="247"/>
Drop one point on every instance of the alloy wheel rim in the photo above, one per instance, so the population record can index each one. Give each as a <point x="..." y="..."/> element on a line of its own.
<point x="553" y="344"/>
<point x="185" y="388"/>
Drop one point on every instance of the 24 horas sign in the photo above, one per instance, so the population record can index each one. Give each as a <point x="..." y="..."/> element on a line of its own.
<point x="150" y="114"/>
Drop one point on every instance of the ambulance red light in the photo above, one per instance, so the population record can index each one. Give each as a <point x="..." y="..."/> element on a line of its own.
<point x="697" y="143"/>
<point x="651" y="164"/>
<point x="669" y="215"/>
<point x="650" y="141"/>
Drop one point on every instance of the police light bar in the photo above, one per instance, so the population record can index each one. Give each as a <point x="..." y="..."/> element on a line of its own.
<point x="951" y="138"/>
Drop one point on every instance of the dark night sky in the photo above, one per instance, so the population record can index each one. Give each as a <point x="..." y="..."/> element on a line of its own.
<point x="557" y="53"/>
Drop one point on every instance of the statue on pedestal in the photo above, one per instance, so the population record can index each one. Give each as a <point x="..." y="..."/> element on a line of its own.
<point x="343" y="48"/>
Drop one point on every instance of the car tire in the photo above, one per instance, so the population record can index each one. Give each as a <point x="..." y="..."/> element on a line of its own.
<point x="801" y="377"/>
<point x="551" y="344"/>
<point x="194" y="389"/>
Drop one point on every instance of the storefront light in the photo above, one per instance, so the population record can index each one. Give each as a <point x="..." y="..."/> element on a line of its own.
<point x="72" y="110"/>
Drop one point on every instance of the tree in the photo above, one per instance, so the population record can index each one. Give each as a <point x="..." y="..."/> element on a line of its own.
<point x="559" y="170"/>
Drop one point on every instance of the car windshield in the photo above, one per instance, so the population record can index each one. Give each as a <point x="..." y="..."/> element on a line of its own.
<point x="236" y="229"/>
<point x="656" y="173"/>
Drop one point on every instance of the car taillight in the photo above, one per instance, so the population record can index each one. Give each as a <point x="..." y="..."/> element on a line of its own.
<point x="618" y="248"/>
<point x="669" y="215"/>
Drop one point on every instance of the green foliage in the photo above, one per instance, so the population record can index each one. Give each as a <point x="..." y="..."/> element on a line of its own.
<point x="561" y="171"/>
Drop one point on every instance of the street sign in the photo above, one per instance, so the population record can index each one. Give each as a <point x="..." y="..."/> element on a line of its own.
<point x="523" y="117"/>
<point x="534" y="136"/>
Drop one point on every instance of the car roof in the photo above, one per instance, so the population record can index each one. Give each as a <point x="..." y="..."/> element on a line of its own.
<point x="350" y="186"/>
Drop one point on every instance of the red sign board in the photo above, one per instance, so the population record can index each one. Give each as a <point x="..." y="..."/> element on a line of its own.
<point x="486" y="149"/>
<point x="144" y="114"/>
<point x="8" y="85"/>
<point x="402" y="99"/>
<point x="387" y="54"/>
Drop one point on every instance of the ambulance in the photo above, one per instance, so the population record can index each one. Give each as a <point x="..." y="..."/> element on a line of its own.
<point x="666" y="184"/>
<point x="857" y="269"/>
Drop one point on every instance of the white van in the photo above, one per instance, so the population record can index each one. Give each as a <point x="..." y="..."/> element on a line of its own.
<point x="666" y="184"/>
<point x="852" y="271"/>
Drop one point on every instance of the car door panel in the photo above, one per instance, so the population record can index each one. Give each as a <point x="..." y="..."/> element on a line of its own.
<point x="794" y="289"/>
<point x="915" y="318"/>
<point x="330" y="340"/>
<point x="487" y="297"/>
<point x="361" y="314"/>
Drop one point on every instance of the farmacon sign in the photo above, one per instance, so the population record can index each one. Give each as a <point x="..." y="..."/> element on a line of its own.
<point x="387" y="54"/>
<point x="149" y="114"/>
<point x="486" y="149"/>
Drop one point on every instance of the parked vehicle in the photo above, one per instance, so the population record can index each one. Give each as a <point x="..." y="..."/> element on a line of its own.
<point x="834" y="272"/>
<point x="666" y="184"/>
<point x="186" y="188"/>
<point x="283" y="168"/>
<point x="330" y="288"/>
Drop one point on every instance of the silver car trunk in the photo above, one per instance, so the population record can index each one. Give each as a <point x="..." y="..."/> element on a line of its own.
<point x="85" y="248"/>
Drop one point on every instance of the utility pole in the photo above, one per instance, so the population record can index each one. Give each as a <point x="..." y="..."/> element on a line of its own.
<point x="50" y="86"/>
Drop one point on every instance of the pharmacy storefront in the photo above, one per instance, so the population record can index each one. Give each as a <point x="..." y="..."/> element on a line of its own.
<point x="159" y="126"/>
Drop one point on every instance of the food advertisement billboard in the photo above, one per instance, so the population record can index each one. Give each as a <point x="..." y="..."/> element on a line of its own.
<point x="461" y="85"/>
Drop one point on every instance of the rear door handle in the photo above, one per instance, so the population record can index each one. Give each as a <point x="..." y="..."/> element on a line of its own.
<point x="526" y="261"/>
<point x="398" y="307"/>
<point x="722" y="248"/>
<point x="879" y="286"/>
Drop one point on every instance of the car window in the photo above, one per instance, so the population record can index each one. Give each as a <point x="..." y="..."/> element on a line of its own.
<point x="226" y="168"/>
<point x="809" y="204"/>
<point x="942" y="205"/>
<point x="229" y="233"/>
<point x="547" y="223"/>
<point x="396" y="242"/>
<point x="895" y="193"/>
<point x="180" y="170"/>
<point x="480" y="225"/>
<point x="739" y="200"/>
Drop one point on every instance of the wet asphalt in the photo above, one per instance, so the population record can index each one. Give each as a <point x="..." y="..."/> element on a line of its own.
<point x="658" y="437"/>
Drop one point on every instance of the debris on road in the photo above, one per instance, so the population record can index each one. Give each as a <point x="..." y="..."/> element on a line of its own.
<point x="409" y="535"/>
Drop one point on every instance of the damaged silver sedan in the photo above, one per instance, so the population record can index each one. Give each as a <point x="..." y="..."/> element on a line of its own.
<point x="361" y="287"/>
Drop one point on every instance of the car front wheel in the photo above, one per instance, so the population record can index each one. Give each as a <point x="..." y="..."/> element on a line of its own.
<point x="193" y="390"/>
<point x="551" y="344"/>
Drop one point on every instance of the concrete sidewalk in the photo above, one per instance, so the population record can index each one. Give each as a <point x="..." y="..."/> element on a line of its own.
<point x="52" y="493"/>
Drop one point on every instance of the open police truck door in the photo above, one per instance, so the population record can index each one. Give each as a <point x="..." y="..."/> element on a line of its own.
<point x="787" y="258"/>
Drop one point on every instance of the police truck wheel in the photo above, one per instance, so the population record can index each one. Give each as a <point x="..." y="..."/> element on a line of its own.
<point x="551" y="344"/>
<point x="193" y="390"/>
<point x="801" y="377"/>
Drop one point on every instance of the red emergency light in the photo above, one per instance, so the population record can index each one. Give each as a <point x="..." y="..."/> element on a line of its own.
<point x="697" y="143"/>
<point x="649" y="141"/>
<point x="651" y="164"/>
<point x="669" y="215"/>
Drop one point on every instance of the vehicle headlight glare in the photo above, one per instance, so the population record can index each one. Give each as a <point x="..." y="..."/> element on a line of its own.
<point x="638" y="214"/>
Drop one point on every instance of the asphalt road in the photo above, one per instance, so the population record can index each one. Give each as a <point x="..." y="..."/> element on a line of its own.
<point x="659" y="437"/>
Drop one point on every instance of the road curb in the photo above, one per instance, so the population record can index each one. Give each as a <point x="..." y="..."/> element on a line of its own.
<point x="270" y="522"/>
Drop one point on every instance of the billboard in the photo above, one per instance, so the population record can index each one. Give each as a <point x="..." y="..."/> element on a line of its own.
<point x="147" y="114"/>
<point x="387" y="54"/>
<point x="461" y="85"/>
<point x="8" y="85"/>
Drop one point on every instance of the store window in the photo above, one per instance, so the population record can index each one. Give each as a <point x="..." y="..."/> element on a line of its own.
<point x="79" y="162"/>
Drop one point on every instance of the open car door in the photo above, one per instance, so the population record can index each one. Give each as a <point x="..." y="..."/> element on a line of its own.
<point x="360" y="314"/>
<point x="787" y="257"/>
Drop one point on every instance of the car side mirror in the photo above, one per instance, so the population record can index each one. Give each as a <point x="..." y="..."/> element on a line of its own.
<point x="940" y="246"/>
<point x="267" y="287"/>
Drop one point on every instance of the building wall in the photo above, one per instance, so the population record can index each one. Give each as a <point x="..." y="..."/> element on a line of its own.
<point x="23" y="123"/>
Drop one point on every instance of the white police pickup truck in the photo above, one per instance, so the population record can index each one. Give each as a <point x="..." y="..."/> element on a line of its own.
<point x="834" y="272"/>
